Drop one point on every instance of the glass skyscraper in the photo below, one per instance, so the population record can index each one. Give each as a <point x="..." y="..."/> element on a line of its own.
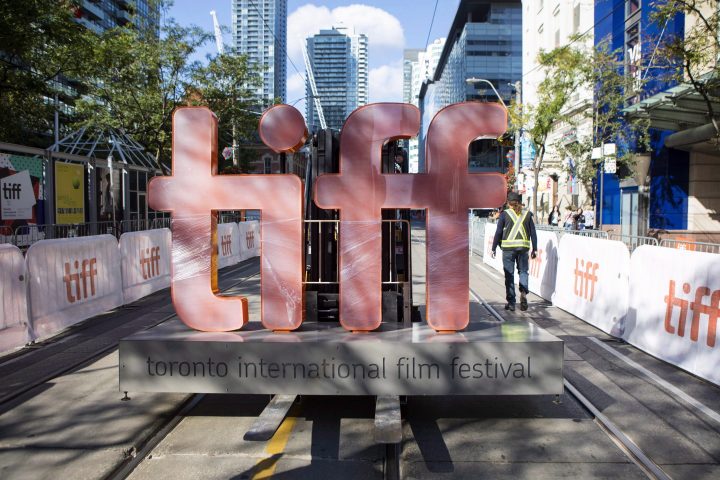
<point x="339" y="60"/>
<point x="487" y="45"/>
<point x="260" y="32"/>
<point x="101" y="15"/>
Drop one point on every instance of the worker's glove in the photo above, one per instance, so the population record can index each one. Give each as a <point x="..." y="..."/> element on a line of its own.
<point x="493" y="254"/>
<point x="533" y="254"/>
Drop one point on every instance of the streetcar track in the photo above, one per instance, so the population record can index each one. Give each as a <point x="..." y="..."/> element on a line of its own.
<point x="629" y="448"/>
<point x="6" y="401"/>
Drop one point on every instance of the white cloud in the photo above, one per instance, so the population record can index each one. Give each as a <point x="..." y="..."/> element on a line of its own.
<point x="296" y="90"/>
<point x="383" y="29"/>
<point x="386" y="83"/>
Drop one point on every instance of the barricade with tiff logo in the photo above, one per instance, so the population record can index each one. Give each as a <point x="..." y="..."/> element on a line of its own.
<point x="675" y="306"/>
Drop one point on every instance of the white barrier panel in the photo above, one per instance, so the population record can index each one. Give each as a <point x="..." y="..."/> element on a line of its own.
<point x="72" y="279"/>
<point x="247" y="239"/>
<point x="14" y="328"/>
<point x="145" y="258"/>
<point x="228" y="243"/>
<point x="592" y="281"/>
<point x="675" y="307"/>
<point x="254" y="246"/>
<point x="496" y="262"/>
<point x="542" y="269"/>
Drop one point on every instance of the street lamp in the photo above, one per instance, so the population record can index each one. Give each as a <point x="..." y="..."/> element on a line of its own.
<point x="516" y="162"/>
<point x="473" y="80"/>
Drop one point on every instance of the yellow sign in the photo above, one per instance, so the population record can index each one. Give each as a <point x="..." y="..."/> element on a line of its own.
<point x="69" y="193"/>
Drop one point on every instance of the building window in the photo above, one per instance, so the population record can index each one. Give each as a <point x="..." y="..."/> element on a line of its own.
<point x="267" y="164"/>
<point x="576" y="19"/>
<point x="631" y="7"/>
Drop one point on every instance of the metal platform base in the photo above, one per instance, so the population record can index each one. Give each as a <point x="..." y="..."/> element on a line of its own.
<point x="488" y="358"/>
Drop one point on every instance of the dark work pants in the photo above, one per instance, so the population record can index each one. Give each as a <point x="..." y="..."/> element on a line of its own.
<point x="510" y="258"/>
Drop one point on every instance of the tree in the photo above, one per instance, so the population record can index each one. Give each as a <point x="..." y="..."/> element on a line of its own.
<point x="40" y="45"/>
<point x="612" y="88"/>
<point x="564" y="72"/>
<point x="227" y="85"/>
<point x="693" y="58"/>
<point x="139" y="79"/>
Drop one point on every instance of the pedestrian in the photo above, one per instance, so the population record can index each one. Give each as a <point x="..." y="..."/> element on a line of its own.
<point x="568" y="222"/>
<point x="554" y="218"/>
<point x="515" y="234"/>
<point x="579" y="220"/>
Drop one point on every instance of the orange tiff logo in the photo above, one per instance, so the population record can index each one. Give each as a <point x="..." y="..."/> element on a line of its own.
<point x="585" y="279"/>
<point x="150" y="262"/>
<point x="360" y="191"/>
<point x="226" y="244"/>
<point x="536" y="263"/>
<point x="711" y="309"/>
<point x="78" y="274"/>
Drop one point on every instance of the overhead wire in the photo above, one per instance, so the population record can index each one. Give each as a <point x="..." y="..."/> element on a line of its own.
<point x="577" y="38"/>
<point x="432" y="21"/>
<point x="284" y="48"/>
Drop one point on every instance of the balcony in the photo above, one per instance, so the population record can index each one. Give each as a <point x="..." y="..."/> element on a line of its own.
<point x="93" y="11"/>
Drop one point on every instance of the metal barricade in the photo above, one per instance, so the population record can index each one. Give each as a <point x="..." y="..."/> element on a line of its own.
<point x="477" y="235"/>
<point x="6" y="234"/>
<point x="160" y="223"/>
<point x="633" y="241"/>
<point x="584" y="233"/>
<point x="692" y="246"/>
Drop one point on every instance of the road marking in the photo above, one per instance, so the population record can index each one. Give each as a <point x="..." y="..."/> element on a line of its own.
<point x="275" y="447"/>
<point x="663" y="383"/>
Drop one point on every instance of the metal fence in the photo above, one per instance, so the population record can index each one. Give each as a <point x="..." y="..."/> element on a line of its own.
<point x="692" y="246"/>
<point x="633" y="241"/>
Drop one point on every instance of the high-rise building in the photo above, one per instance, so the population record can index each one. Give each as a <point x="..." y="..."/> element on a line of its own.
<point x="101" y="15"/>
<point x="484" y="42"/>
<point x="339" y="59"/>
<point x="260" y="32"/>
<point x="418" y="66"/>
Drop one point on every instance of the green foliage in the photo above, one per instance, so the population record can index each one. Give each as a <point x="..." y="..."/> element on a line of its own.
<point x="565" y="70"/>
<point x="40" y="42"/>
<point x="138" y="81"/>
<point x="693" y="58"/>
<point x="609" y="124"/>
<point x="227" y="85"/>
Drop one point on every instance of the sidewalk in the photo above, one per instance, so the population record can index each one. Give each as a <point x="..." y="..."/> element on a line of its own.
<point x="680" y="438"/>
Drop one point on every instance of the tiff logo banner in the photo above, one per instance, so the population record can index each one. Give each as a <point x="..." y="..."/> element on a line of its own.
<point x="536" y="263"/>
<point x="360" y="191"/>
<point x="711" y="309"/>
<point x="585" y="279"/>
<point x="150" y="262"/>
<point x="79" y="274"/>
<point x="250" y="239"/>
<point x="226" y="243"/>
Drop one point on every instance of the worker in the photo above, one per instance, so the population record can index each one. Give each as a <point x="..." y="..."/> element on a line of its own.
<point x="515" y="234"/>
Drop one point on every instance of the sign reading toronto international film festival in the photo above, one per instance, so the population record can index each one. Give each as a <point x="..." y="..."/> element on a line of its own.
<point x="359" y="191"/>
<point x="446" y="355"/>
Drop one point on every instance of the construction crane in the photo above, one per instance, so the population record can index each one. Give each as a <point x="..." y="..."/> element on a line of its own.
<point x="218" y="33"/>
<point x="313" y="89"/>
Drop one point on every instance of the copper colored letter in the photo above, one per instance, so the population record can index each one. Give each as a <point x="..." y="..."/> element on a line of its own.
<point x="447" y="190"/>
<point x="193" y="194"/>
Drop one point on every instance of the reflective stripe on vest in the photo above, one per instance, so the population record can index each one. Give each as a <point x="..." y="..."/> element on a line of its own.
<point x="517" y="238"/>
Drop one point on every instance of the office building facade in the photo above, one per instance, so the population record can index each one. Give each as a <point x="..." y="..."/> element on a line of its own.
<point x="418" y="65"/>
<point x="260" y="31"/>
<point x="101" y="15"/>
<point x="548" y="25"/>
<point x="339" y="59"/>
<point x="485" y="42"/>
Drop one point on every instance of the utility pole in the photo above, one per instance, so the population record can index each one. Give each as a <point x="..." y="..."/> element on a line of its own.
<point x="518" y="98"/>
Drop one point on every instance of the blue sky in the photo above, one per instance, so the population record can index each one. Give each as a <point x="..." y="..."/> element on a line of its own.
<point x="391" y="26"/>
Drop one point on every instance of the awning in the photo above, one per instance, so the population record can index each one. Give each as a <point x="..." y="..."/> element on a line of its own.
<point x="681" y="109"/>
